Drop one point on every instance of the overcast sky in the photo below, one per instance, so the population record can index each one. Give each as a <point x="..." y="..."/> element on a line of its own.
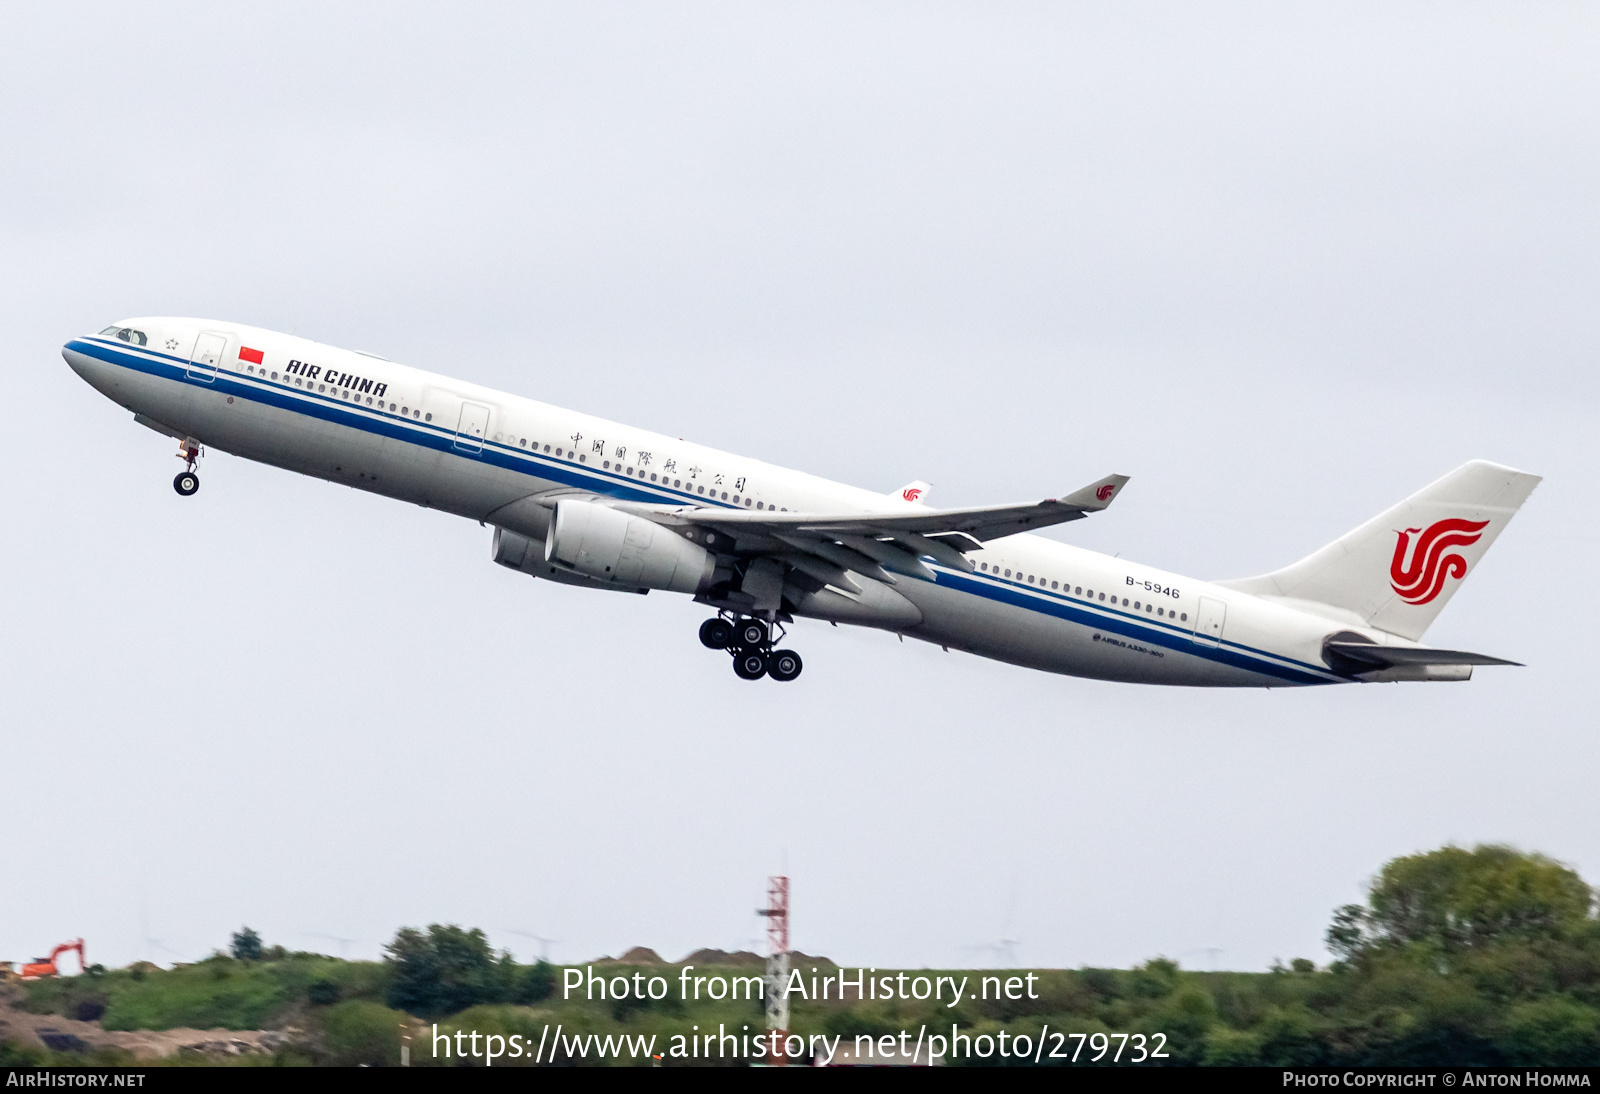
<point x="1281" y="264"/>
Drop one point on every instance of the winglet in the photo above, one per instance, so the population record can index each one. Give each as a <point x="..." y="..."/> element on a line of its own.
<point x="1097" y="495"/>
<point x="915" y="491"/>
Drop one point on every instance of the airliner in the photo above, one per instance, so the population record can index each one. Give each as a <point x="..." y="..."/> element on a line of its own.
<point x="582" y="501"/>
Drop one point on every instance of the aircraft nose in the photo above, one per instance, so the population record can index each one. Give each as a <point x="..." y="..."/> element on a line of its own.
<point x="95" y="372"/>
<point x="75" y="360"/>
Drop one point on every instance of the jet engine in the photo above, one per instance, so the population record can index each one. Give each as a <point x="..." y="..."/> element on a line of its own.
<point x="609" y="545"/>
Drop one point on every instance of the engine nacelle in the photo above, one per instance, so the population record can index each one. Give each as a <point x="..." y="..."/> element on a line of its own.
<point x="515" y="551"/>
<point x="609" y="545"/>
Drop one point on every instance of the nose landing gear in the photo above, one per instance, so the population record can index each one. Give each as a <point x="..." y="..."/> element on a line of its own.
<point x="188" y="482"/>
<point x="750" y="642"/>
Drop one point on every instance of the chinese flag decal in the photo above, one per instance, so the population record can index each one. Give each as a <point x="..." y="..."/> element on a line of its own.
<point x="251" y="355"/>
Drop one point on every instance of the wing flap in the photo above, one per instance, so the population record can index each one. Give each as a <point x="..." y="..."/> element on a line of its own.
<point x="980" y="524"/>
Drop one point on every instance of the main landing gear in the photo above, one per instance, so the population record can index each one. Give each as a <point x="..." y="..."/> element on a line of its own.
<point x="187" y="481"/>
<point x="750" y="642"/>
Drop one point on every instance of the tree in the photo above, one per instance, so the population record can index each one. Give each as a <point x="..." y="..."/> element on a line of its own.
<point x="1451" y="900"/>
<point x="246" y="945"/>
<point x="537" y="983"/>
<point x="446" y="970"/>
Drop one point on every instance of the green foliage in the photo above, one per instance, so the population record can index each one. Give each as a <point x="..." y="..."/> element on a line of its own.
<point x="1226" y="1047"/>
<point x="246" y="945"/>
<point x="1440" y="904"/>
<point x="217" y="992"/>
<point x="535" y="984"/>
<point x="446" y="970"/>
<point x="1554" y="1031"/>
<point x="361" y="1033"/>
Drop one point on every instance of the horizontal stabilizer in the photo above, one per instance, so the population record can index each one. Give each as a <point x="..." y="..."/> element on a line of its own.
<point x="1389" y="657"/>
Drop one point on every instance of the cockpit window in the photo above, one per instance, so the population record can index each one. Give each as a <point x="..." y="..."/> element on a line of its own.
<point x="126" y="334"/>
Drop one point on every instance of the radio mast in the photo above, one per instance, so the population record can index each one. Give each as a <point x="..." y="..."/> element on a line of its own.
<point x="777" y="999"/>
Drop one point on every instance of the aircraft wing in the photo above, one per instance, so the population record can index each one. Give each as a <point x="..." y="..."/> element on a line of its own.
<point x="1388" y="657"/>
<point x="826" y="545"/>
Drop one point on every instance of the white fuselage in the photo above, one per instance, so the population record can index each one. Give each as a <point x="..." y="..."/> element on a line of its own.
<point x="425" y="438"/>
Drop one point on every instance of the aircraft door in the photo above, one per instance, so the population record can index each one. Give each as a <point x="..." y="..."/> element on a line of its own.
<point x="207" y="355"/>
<point x="474" y="423"/>
<point x="1209" y="621"/>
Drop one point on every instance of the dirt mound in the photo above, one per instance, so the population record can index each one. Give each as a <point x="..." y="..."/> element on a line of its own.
<point x="639" y="955"/>
<point x="723" y="957"/>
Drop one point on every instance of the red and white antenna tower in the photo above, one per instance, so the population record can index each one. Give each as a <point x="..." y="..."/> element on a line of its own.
<point x="777" y="999"/>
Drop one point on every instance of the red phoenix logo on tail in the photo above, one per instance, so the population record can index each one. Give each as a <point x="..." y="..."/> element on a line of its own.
<point x="911" y="493"/>
<point x="1105" y="491"/>
<point x="1423" y="579"/>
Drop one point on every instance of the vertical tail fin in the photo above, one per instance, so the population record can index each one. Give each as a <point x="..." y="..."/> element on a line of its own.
<point x="1398" y="570"/>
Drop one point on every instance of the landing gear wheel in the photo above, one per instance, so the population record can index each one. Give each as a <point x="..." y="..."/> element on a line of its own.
<point x="752" y="636"/>
<point x="716" y="634"/>
<point x="186" y="483"/>
<point x="750" y="665"/>
<point x="784" y="665"/>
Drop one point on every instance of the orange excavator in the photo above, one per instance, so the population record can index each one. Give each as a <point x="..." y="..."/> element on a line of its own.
<point x="46" y="966"/>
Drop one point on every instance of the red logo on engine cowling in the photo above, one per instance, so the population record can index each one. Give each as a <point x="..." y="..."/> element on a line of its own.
<point x="1423" y="579"/>
<point x="1105" y="491"/>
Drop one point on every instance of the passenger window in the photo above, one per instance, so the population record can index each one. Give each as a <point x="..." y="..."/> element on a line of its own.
<point x="1079" y="592"/>
<point x="1008" y="573"/>
<point x="1054" y="584"/>
<point x="429" y="417"/>
<point x="1185" y="617"/>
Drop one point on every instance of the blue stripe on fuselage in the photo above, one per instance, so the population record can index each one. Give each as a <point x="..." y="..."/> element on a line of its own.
<point x="1129" y="626"/>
